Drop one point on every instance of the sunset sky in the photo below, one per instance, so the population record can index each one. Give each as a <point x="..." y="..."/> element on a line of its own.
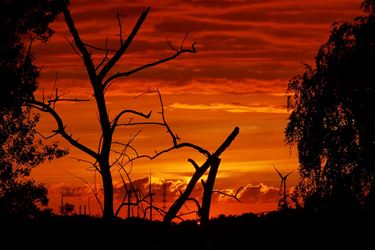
<point x="247" y="52"/>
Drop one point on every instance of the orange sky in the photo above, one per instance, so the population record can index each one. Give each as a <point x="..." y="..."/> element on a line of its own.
<point x="247" y="52"/>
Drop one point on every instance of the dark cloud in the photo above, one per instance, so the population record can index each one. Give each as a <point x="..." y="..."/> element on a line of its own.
<point x="238" y="40"/>
<point x="69" y="190"/>
<point x="223" y="3"/>
<point x="259" y="194"/>
<point x="95" y="13"/>
<point x="289" y="14"/>
<point x="249" y="194"/>
<point x="194" y="26"/>
<point x="142" y="185"/>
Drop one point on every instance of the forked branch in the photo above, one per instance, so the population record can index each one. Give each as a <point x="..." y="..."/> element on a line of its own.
<point x="178" y="52"/>
<point x="60" y="126"/>
<point x="233" y="196"/>
<point x="124" y="46"/>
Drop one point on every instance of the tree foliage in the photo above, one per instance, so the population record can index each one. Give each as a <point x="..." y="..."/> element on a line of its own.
<point x="333" y="121"/>
<point x="20" y="152"/>
<point x="22" y="22"/>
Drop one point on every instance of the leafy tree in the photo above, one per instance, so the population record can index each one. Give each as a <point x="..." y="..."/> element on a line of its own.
<point x="22" y="22"/>
<point x="333" y="121"/>
<point x="20" y="152"/>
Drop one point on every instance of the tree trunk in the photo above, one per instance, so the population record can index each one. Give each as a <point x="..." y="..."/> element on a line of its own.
<point x="208" y="189"/>
<point x="176" y="206"/>
<point x="108" y="192"/>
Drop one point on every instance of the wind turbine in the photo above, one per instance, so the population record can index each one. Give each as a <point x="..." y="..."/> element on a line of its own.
<point x="282" y="202"/>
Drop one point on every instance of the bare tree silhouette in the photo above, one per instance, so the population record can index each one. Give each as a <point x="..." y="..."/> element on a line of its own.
<point x="101" y="80"/>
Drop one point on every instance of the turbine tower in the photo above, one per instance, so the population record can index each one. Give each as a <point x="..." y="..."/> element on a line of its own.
<point x="282" y="201"/>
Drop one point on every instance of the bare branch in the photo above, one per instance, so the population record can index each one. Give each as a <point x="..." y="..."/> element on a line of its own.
<point x="60" y="126"/>
<point x="53" y="87"/>
<point x="98" y="48"/>
<point x="183" y="41"/>
<point x="92" y="189"/>
<point x="195" y="165"/>
<point x="203" y="184"/>
<point x="110" y="79"/>
<point x="126" y="146"/>
<point x="86" y="161"/>
<point x="234" y="196"/>
<point x="125" y="196"/>
<point x="159" y="210"/>
<point x="128" y="191"/>
<point x="73" y="47"/>
<point x="178" y="146"/>
<point x="140" y="123"/>
<point x="175" y="138"/>
<point x="176" y="206"/>
<point x="107" y="67"/>
<point x="169" y="130"/>
<point x="47" y="137"/>
<point x="29" y="51"/>
<point x="80" y="45"/>
<point x="126" y="111"/>
<point x="58" y="99"/>
<point x="183" y="214"/>
<point x="196" y="203"/>
<point x="105" y="56"/>
<point x="171" y="46"/>
<point x="120" y="27"/>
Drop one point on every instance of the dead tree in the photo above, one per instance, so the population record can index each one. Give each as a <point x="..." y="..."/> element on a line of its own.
<point x="101" y="79"/>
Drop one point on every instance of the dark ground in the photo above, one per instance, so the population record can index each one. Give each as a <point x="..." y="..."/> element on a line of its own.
<point x="282" y="230"/>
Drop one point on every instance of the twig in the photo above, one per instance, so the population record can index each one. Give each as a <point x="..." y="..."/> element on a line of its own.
<point x="60" y="124"/>
<point x="234" y="196"/>
<point x="105" y="56"/>
<point x="99" y="49"/>
<point x="86" y="161"/>
<point x="107" y="83"/>
<point x="73" y="47"/>
<point x="92" y="189"/>
<point x="109" y="65"/>
<point x="120" y="27"/>
<point x="47" y="137"/>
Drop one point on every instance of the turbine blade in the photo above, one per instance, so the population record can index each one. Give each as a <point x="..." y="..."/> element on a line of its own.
<point x="289" y="174"/>
<point x="281" y="176"/>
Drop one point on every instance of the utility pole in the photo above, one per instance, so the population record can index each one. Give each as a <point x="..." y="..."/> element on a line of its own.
<point x="164" y="195"/>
